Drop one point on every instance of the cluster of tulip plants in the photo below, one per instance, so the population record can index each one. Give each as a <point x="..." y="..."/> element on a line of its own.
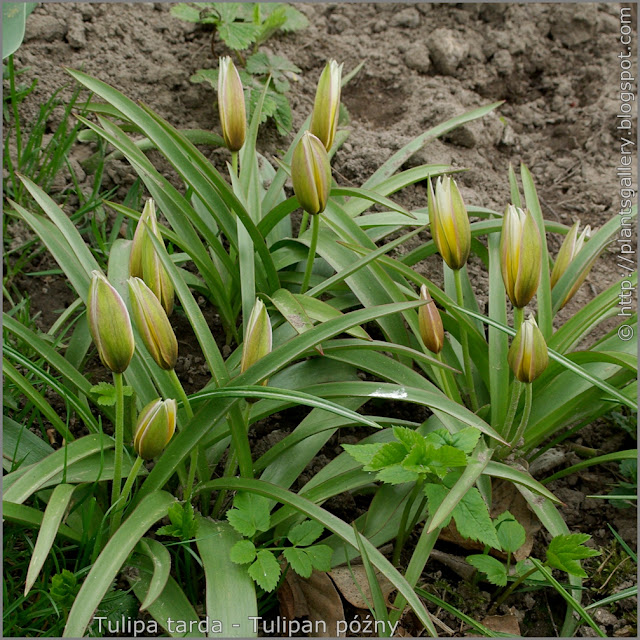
<point x="297" y="311"/>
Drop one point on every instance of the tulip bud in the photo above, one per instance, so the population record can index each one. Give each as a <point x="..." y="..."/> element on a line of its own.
<point x="430" y="323"/>
<point x="528" y="355"/>
<point x="155" y="428"/>
<point x="449" y="222"/>
<point x="311" y="174"/>
<point x="135" y="257"/>
<point x="568" y="251"/>
<point x="257" y="341"/>
<point x="144" y="261"/>
<point x="521" y="255"/>
<point x="152" y="323"/>
<point x="109" y="324"/>
<point x="326" y="108"/>
<point x="233" y="117"/>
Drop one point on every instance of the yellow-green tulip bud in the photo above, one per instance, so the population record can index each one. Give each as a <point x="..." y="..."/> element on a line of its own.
<point x="430" y="323"/>
<point x="109" y="324"/>
<point x="144" y="261"/>
<point x="311" y="174"/>
<point x="568" y="251"/>
<point x="326" y="108"/>
<point x="155" y="428"/>
<point x="450" y="227"/>
<point x="153" y="324"/>
<point x="528" y="355"/>
<point x="148" y="216"/>
<point x="231" y="107"/>
<point x="521" y="255"/>
<point x="155" y="275"/>
<point x="257" y="341"/>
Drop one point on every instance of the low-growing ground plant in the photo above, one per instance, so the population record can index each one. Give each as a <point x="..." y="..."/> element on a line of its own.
<point x="298" y="312"/>
<point x="243" y="27"/>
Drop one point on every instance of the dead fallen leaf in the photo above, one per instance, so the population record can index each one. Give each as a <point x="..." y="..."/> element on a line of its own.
<point x="315" y="597"/>
<point x="358" y="592"/>
<point x="502" y="624"/>
<point x="455" y="563"/>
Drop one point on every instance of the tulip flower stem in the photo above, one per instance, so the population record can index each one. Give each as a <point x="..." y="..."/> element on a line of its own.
<point x="444" y="379"/>
<point x="526" y="412"/>
<point x="119" y="436"/>
<point x="518" y="318"/>
<point x="194" y="453"/>
<point x="464" y="341"/>
<point x="303" y="223"/>
<point x="234" y="163"/>
<point x="516" y="389"/>
<point x="131" y="478"/>
<point x="315" y="225"/>
<point x="402" y="530"/>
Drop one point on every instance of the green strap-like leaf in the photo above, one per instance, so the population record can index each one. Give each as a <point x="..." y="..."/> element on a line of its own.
<point x="113" y="556"/>
<point x="230" y="595"/>
<point x="53" y="514"/>
<point x="37" y="475"/>
<point x="30" y="517"/>
<point x="161" y="562"/>
<point x="172" y="604"/>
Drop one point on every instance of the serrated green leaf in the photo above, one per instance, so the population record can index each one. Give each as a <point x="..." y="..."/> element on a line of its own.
<point x="265" y="570"/>
<point x="305" y="533"/>
<point x="106" y="393"/>
<point x="251" y="513"/>
<point x="186" y="12"/>
<point x="396" y="474"/>
<point x="471" y="514"/>
<point x="243" y="552"/>
<point x="565" y="551"/>
<point x="183" y="524"/>
<point x="408" y="437"/>
<point x="390" y="453"/>
<point x="363" y="453"/>
<point x="524" y="566"/>
<point x="465" y="439"/>
<point x="238" y="35"/>
<point x="511" y="533"/>
<point x="299" y="561"/>
<point x="426" y="458"/>
<point x="495" y="571"/>
<point x="320" y="556"/>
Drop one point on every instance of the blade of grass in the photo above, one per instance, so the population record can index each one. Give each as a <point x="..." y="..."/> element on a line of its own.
<point x="160" y="559"/>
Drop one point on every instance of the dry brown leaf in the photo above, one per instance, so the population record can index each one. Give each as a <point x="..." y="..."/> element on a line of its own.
<point x="502" y="624"/>
<point x="315" y="597"/>
<point x="353" y="585"/>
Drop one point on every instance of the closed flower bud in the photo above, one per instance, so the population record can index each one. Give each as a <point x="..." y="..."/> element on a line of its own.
<point x="311" y="174"/>
<point x="528" y="355"/>
<point x="430" y="323"/>
<point x="257" y="341"/>
<point x="568" y="251"/>
<point x="153" y="324"/>
<point x="144" y="261"/>
<point x="109" y="324"/>
<point x="521" y="255"/>
<point x="233" y="117"/>
<point x="148" y="217"/>
<point x="155" y="428"/>
<point x="449" y="222"/>
<point x="326" y="108"/>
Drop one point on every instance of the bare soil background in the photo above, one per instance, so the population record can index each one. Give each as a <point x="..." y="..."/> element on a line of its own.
<point x="554" y="65"/>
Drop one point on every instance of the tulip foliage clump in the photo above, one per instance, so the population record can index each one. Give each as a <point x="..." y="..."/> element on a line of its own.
<point x="301" y="317"/>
